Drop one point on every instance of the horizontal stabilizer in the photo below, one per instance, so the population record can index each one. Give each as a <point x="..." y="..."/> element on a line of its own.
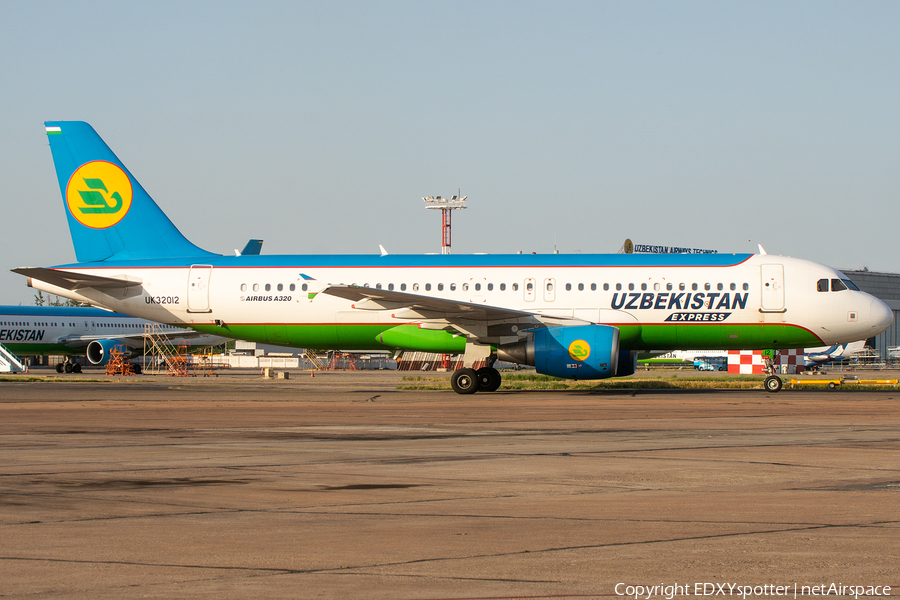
<point x="252" y="248"/>
<point x="76" y="281"/>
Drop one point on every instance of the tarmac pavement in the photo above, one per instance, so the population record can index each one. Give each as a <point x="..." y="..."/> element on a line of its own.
<point x="341" y="486"/>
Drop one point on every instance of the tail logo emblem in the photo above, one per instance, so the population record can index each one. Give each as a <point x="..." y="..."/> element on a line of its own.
<point x="579" y="350"/>
<point x="99" y="194"/>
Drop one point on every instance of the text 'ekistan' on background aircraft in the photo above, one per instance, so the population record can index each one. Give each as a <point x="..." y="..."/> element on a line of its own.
<point x="76" y="330"/>
<point x="575" y="316"/>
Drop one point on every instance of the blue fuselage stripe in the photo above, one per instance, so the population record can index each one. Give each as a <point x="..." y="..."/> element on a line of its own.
<point x="432" y="261"/>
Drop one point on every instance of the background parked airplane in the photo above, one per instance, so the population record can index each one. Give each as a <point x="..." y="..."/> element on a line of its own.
<point x="575" y="316"/>
<point x="812" y="357"/>
<point x="815" y="357"/>
<point x="67" y="331"/>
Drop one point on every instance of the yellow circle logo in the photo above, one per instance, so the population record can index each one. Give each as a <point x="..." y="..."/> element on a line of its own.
<point x="99" y="194"/>
<point x="579" y="350"/>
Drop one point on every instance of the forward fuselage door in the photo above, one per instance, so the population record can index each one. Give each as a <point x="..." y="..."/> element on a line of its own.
<point x="198" y="288"/>
<point x="772" y="287"/>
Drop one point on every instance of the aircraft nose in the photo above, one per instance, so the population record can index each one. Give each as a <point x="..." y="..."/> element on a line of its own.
<point x="882" y="315"/>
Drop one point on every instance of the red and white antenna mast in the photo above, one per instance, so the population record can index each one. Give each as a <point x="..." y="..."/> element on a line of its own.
<point x="445" y="205"/>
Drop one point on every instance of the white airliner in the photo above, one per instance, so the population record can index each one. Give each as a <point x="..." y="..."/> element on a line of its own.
<point x="575" y="316"/>
<point x="814" y="357"/>
<point x="71" y="330"/>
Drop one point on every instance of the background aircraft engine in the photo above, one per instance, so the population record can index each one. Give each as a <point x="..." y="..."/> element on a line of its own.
<point x="583" y="352"/>
<point x="98" y="351"/>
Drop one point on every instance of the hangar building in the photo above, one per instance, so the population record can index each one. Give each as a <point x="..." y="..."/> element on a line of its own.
<point x="885" y="286"/>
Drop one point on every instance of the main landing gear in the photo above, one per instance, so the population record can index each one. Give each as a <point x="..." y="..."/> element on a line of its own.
<point x="68" y="367"/>
<point x="486" y="379"/>
<point x="469" y="381"/>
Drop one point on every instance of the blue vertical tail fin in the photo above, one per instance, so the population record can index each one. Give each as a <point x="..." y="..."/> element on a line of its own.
<point x="110" y="215"/>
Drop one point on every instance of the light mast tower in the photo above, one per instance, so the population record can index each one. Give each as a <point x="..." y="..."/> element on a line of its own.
<point x="445" y="205"/>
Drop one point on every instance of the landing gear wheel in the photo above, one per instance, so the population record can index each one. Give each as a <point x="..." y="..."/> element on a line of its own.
<point x="68" y="367"/>
<point x="831" y="386"/>
<point x="772" y="383"/>
<point x="76" y="368"/>
<point x="489" y="379"/>
<point x="464" y="381"/>
<point x="60" y="367"/>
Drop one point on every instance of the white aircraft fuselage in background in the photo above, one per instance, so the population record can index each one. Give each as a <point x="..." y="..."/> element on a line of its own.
<point x="71" y="330"/>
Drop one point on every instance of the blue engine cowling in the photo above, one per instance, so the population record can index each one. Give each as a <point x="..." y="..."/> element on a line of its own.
<point x="627" y="363"/>
<point x="579" y="352"/>
<point x="98" y="351"/>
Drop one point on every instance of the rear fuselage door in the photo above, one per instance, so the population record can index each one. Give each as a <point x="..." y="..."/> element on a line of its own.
<point x="529" y="289"/>
<point x="549" y="289"/>
<point x="198" y="288"/>
<point x="772" y="287"/>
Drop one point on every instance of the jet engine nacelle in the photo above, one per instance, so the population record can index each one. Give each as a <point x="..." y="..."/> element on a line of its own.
<point x="99" y="351"/>
<point x="582" y="352"/>
<point x="627" y="363"/>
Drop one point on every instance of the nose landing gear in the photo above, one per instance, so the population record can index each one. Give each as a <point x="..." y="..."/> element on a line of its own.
<point x="773" y="383"/>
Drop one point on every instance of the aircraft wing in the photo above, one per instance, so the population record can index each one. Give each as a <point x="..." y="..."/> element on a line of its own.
<point x="481" y="322"/>
<point x="75" y="281"/>
<point x="426" y="306"/>
<point x="81" y="341"/>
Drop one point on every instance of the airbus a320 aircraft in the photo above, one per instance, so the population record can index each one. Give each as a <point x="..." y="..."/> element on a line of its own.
<point x="70" y="330"/>
<point x="574" y="316"/>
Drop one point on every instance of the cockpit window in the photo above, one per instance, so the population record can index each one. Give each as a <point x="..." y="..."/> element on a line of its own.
<point x="822" y="285"/>
<point x="837" y="285"/>
<point x="851" y="285"/>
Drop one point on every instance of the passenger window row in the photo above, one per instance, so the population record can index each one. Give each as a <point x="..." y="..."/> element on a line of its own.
<point x="278" y="287"/>
<point x="529" y="286"/>
<point x="669" y="287"/>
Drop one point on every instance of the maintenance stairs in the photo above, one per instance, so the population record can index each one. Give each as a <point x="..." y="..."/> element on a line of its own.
<point x="9" y="362"/>
<point x="159" y="352"/>
<point x="118" y="363"/>
<point x="316" y="360"/>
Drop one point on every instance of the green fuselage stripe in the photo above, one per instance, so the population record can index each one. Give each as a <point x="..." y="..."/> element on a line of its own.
<point x="631" y="337"/>
<point x="40" y="349"/>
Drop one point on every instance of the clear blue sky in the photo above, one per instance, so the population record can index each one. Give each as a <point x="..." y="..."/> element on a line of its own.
<point x="319" y="126"/>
